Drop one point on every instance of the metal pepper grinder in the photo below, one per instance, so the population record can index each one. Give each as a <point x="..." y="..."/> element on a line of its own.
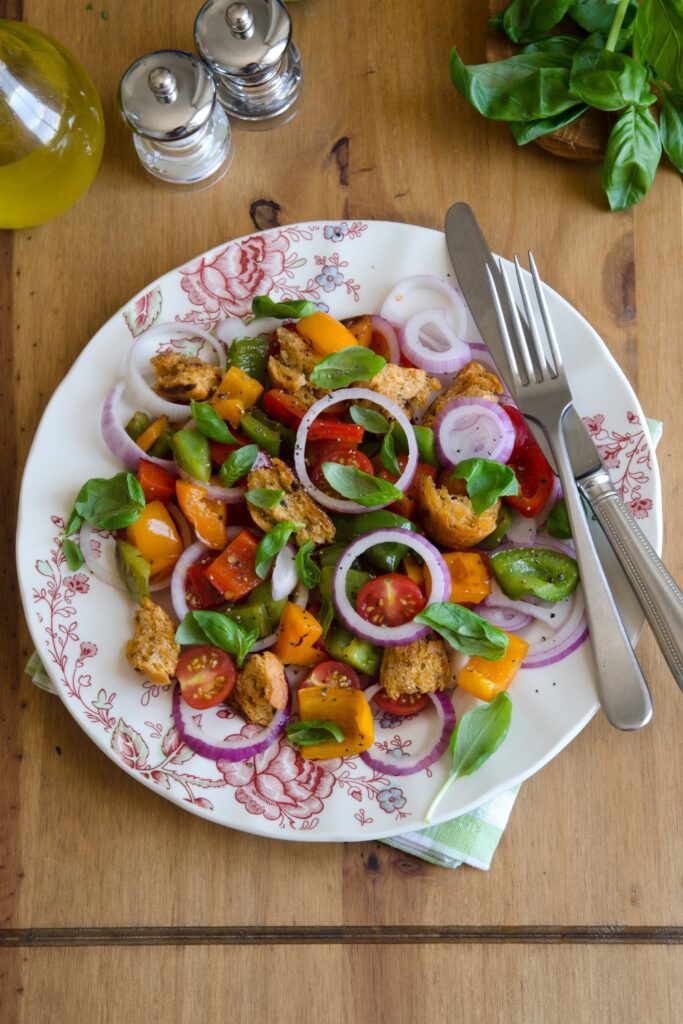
<point x="249" y="48"/>
<point x="181" y="134"/>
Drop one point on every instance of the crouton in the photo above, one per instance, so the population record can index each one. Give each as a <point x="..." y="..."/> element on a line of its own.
<point x="296" y="506"/>
<point x="420" y="667"/>
<point x="473" y="381"/>
<point x="153" y="651"/>
<point x="179" y="376"/>
<point x="261" y="688"/>
<point x="449" y="518"/>
<point x="291" y="364"/>
<point x="408" y="388"/>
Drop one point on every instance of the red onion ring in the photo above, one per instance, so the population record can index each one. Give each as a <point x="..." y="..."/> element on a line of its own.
<point x="87" y="535"/>
<point x="429" y="341"/>
<point x="284" y="577"/>
<point x="232" y="327"/>
<point x="117" y="440"/>
<point x="506" y="618"/>
<point x="216" y="748"/>
<point x="230" y="495"/>
<point x="389" y="636"/>
<point x="522" y="530"/>
<point x="553" y="615"/>
<point x="553" y="498"/>
<point x="470" y="428"/>
<point x="186" y="561"/>
<point x="398" y="312"/>
<point x="351" y="395"/>
<point x="389" y="765"/>
<point x="142" y="390"/>
<point x="388" y="334"/>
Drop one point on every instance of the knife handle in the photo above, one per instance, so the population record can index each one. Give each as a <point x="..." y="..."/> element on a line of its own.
<point x="658" y="594"/>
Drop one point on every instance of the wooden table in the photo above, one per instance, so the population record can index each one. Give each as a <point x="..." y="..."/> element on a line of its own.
<point x="114" y="904"/>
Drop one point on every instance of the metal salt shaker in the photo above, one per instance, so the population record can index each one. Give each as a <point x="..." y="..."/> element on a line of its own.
<point x="181" y="134"/>
<point x="257" y="67"/>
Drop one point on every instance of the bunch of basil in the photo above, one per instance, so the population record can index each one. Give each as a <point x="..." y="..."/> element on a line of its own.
<point x="628" y="57"/>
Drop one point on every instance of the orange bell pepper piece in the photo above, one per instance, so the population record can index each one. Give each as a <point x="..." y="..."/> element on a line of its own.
<point x="155" y="536"/>
<point x="230" y="409"/>
<point x="297" y="633"/>
<point x="470" y="577"/>
<point x="325" y="334"/>
<point x="484" y="678"/>
<point x="361" y="328"/>
<point x="152" y="434"/>
<point x="238" y="384"/>
<point x="346" y="708"/>
<point x="414" y="570"/>
<point x="208" y="517"/>
<point x="233" y="573"/>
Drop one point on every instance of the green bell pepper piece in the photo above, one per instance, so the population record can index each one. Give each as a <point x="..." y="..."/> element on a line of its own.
<point x="385" y="557"/>
<point x="252" y="427"/>
<point x="354" y="581"/>
<point x="251" y="356"/>
<point x="250" y="616"/>
<point x="192" y="453"/>
<point x="426" y="444"/>
<point x="342" y="645"/>
<point x="161" y="449"/>
<point x="502" y="527"/>
<point x="133" y="569"/>
<point x="137" y="425"/>
<point x="550" y="575"/>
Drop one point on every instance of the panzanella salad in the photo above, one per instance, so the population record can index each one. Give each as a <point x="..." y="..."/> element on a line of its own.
<point x="321" y="521"/>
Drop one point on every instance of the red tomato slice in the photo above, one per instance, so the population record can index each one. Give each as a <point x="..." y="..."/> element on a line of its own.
<point x="199" y="592"/>
<point x="206" y="676"/>
<point x="332" y="673"/>
<point x="390" y="600"/>
<point x="534" y="475"/>
<point x="331" y="429"/>
<point x="284" y="408"/>
<point x="344" y="456"/>
<point x="407" y="506"/>
<point x="406" y="704"/>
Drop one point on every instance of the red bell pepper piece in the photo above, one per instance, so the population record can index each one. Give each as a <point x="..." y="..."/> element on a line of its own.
<point x="157" y="484"/>
<point x="233" y="573"/>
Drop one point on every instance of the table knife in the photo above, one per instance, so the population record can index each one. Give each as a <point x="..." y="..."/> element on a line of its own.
<point x="657" y="593"/>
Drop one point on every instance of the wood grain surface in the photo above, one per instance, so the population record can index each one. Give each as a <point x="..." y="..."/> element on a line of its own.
<point x="595" y="839"/>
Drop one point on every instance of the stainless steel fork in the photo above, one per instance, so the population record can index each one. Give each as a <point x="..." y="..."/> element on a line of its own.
<point x="541" y="391"/>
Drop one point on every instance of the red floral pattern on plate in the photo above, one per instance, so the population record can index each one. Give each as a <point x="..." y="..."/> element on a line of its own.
<point x="626" y="454"/>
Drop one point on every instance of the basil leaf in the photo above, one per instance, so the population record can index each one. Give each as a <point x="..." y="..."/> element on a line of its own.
<point x="237" y="465"/>
<point x="370" y="419"/>
<point x="527" y="131"/>
<point x="326" y="615"/>
<point x="110" y="504"/>
<point x="477" y="735"/>
<point x="213" y="628"/>
<point x="264" y="497"/>
<point x="307" y="570"/>
<point x="487" y="481"/>
<point x="210" y="424"/>
<point x="313" y="730"/>
<point x="633" y="152"/>
<point x="73" y="523"/>
<point x="363" y="488"/>
<point x="465" y="630"/>
<point x="73" y="554"/>
<point x="387" y="454"/>
<point x="290" y="309"/>
<point x="345" y="367"/>
<point x="557" y="522"/>
<point x="269" y="546"/>
<point x="598" y="15"/>
<point x="554" y="44"/>
<point x="658" y="34"/>
<point x="671" y="128"/>
<point x="606" y="80"/>
<point x="525" y="87"/>
<point x="524" y="20"/>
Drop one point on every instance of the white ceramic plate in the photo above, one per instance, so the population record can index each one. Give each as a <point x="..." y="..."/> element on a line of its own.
<point x="79" y="624"/>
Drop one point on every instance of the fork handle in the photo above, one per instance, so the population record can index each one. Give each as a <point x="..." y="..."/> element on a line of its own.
<point x="623" y="691"/>
<point x="658" y="594"/>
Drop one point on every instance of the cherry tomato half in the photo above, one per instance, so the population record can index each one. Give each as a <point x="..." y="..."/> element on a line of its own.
<point x="332" y="673"/>
<point x="407" y="506"/>
<point x="206" y="676"/>
<point x="406" y="704"/>
<point x="530" y="466"/>
<point x="390" y="600"/>
<point x="343" y="456"/>
<point x="199" y="591"/>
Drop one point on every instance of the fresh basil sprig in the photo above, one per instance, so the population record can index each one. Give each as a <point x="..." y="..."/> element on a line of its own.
<point x="465" y="630"/>
<point x="658" y="32"/>
<point x="202" y="627"/>
<point x="271" y="544"/>
<point x="326" y="615"/>
<point x="606" y="80"/>
<point x="671" y="128"/>
<point x="477" y="735"/>
<point x="487" y="481"/>
<point x="73" y="523"/>
<point x="237" y="465"/>
<point x="72" y="553"/>
<point x="210" y="424"/>
<point x="307" y="570"/>
<point x="631" y="158"/>
<point x="361" y="487"/>
<point x="525" y="20"/>
<point x="346" y="367"/>
<point x="290" y="309"/>
<point x="370" y="419"/>
<point x="309" y="731"/>
<point x="387" y="453"/>
<point x="557" y="522"/>
<point x="264" y="497"/>
<point x="110" y="504"/>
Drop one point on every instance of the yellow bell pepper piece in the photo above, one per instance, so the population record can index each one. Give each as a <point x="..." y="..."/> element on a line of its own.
<point x="413" y="570"/>
<point x="238" y="384"/>
<point x="470" y="577"/>
<point x="156" y="537"/>
<point x="484" y="678"/>
<point x="325" y="334"/>
<point x="297" y="633"/>
<point x="152" y="434"/>
<point x="230" y="409"/>
<point x="346" y="708"/>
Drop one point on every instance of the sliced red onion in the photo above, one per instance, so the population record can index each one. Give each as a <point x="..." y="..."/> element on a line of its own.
<point x="186" y="561"/>
<point x="554" y="615"/>
<point x="262" y="460"/>
<point x="352" y="395"/>
<point x="140" y="387"/>
<point x="389" y="636"/>
<point x="553" y="498"/>
<point x="389" y="764"/>
<point x="521" y="530"/>
<point x="99" y="555"/>
<point x="388" y="334"/>
<point x="429" y="341"/>
<point x="231" y="328"/>
<point x="469" y="428"/>
<point x="117" y="440"/>
<point x="182" y="525"/>
<point x="508" y="619"/>
<point x="214" y="747"/>
<point x="284" y="577"/>
<point x="398" y="310"/>
<point x="230" y="495"/>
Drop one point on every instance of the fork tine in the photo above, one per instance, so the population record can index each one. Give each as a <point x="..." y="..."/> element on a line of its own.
<point x="504" y="333"/>
<point x="536" y="340"/>
<point x="543" y="306"/>
<point x="519" y="330"/>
